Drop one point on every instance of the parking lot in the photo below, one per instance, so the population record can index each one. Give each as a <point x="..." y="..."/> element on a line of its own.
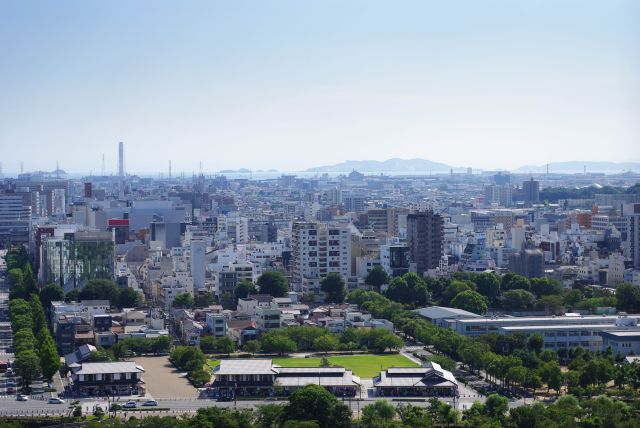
<point x="163" y="380"/>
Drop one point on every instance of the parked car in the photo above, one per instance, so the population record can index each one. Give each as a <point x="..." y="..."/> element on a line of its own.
<point x="150" y="403"/>
<point x="22" y="397"/>
<point x="130" y="405"/>
<point x="56" y="400"/>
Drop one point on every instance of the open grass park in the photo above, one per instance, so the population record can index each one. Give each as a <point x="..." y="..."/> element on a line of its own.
<point x="365" y="366"/>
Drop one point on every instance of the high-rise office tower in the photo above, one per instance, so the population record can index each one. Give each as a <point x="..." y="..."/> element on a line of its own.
<point x="531" y="191"/>
<point x="425" y="234"/>
<point x="632" y="244"/>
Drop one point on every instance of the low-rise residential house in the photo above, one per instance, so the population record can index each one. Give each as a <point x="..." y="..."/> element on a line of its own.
<point x="65" y="330"/>
<point x="191" y="331"/>
<point x="380" y="323"/>
<point x="242" y="331"/>
<point x="83" y="353"/>
<point x="132" y="317"/>
<point x="102" y="323"/>
<point x="268" y="317"/>
<point x="251" y="303"/>
<point x="217" y="324"/>
<point x="333" y="324"/>
<point x="106" y="338"/>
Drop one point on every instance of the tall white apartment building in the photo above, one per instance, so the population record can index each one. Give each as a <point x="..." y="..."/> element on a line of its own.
<point x="615" y="273"/>
<point x="234" y="226"/>
<point x="198" y="249"/>
<point x="316" y="250"/>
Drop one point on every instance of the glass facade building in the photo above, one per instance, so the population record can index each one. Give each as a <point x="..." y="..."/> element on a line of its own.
<point x="77" y="258"/>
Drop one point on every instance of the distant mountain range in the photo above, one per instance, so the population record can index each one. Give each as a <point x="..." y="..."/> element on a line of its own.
<point x="427" y="166"/>
<point x="409" y="165"/>
<point x="576" y="166"/>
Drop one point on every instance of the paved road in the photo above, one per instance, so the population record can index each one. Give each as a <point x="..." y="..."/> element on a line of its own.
<point x="10" y="406"/>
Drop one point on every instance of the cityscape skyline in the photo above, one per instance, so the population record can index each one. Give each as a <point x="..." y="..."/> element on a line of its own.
<point x="255" y="86"/>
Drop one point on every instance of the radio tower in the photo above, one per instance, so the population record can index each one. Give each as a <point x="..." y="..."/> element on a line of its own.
<point x="104" y="172"/>
<point x="169" y="169"/>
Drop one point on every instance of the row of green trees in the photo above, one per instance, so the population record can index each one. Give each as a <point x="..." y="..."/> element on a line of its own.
<point x="217" y="345"/>
<point x="105" y="289"/>
<point x="311" y="338"/>
<point x="554" y="194"/>
<point x="477" y="292"/>
<point x="35" y="349"/>
<point x="141" y="345"/>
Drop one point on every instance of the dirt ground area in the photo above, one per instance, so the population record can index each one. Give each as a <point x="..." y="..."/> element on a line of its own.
<point x="163" y="380"/>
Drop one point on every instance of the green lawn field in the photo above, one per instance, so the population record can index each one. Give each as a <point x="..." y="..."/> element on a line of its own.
<point x="365" y="366"/>
<point x="211" y="364"/>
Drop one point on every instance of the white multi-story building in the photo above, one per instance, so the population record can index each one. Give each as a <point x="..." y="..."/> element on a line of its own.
<point x="615" y="273"/>
<point x="198" y="248"/>
<point x="558" y="332"/>
<point x="235" y="226"/>
<point x="316" y="250"/>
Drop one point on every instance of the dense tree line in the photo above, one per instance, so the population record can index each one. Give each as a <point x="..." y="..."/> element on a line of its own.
<point x="477" y="292"/>
<point x="192" y="360"/>
<point x="310" y="338"/>
<point x="141" y="345"/>
<point x="554" y="194"/>
<point x="217" y="345"/>
<point x="105" y="289"/>
<point x="35" y="349"/>
<point x="512" y="361"/>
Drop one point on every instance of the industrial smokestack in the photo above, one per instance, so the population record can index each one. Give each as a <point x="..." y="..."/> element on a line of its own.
<point x="121" y="161"/>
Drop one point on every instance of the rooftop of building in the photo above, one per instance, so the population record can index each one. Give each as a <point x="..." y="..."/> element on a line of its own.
<point x="105" y="368"/>
<point x="442" y="312"/>
<point x="633" y="335"/>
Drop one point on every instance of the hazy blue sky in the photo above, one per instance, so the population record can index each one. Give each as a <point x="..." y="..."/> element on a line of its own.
<point x="295" y="84"/>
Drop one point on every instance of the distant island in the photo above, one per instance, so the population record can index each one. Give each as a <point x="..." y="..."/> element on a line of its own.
<point x="235" y="171"/>
<point x="426" y="166"/>
<point x="577" y="166"/>
<point x="409" y="165"/>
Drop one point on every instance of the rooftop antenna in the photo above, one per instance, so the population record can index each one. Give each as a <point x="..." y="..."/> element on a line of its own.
<point x="103" y="168"/>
